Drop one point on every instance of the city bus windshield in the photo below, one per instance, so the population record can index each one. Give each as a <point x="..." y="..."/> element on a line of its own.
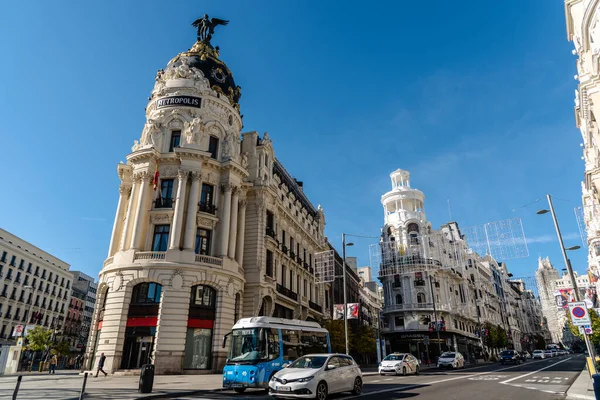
<point x="247" y="345"/>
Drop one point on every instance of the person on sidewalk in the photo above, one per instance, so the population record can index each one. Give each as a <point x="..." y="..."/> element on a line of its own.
<point x="101" y="365"/>
<point x="53" y="362"/>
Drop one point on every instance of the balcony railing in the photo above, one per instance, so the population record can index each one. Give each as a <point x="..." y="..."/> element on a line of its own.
<point x="270" y="232"/>
<point x="292" y="255"/>
<point x="287" y="292"/>
<point x="420" y="282"/>
<point x="284" y="249"/>
<point x="149" y="255"/>
<point x="163" y="203"/>
<point x="416" y="306"/>
<point x="207" y="208"/>
<point x="299" y="260"/>
<point x="397" y="284"/>
<point x="315" y="306"/>
<point x="108" y="261"/>
<point x="201" y="258"/>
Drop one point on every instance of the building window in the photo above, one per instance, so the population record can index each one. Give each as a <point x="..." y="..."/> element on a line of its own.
<point x="203" y="296"/>
<point x="236" y="308"/>
<point x="165" y="199"/>
<point x="29" y="268"/>
<point x="398" y="299"/>
<point x="213" y="146"/>
<point x="12" y="261"/>
<point x="269" y="263"/>
<point x="175" y="139"/>
<point x="399" y="322"/>
<point x="305" y="288"/>
<point x="421" y="298"/>
<point x="146" y="293"/>
<point x="160" y="242"/>
<point x="22" y="264"/>
<point x="203" y="241"/>
<point x="207" y="198"/>
<point x="282" y="276"/>
<point x="3" y="259"/>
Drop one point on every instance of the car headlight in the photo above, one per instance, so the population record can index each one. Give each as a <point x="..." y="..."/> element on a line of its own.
<point x="308" y="378"/>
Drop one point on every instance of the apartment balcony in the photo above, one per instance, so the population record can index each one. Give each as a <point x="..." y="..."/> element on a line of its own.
<point x="292" y="255"/>
<point x="207" y="208"/>
<point x="419" y="282"/>
<point x="163" y="203"/>
<point x="315" y="306"/>
<point x="397" y="285"/>
<point x="299" y="260"/>
<point x="393" y="265"/>
<point x="271" y="232"/>
<point x="416" y="307"/>
<point x="204" y="259"/>
<point x="149" y="255"/>
<point x="284" y="249"/>
<point x="287" y="292"/>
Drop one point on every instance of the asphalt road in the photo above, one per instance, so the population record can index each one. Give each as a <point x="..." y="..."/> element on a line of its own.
<point x="546" y="379"/>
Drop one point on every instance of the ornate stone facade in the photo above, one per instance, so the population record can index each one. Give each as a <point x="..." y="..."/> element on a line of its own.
<point x="583" y="29"/>
<point x="196" y="240"/>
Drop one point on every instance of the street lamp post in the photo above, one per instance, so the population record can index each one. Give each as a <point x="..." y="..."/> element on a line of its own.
<point x="588" y="344"/>
<point x="344" y="244"/>
<point x="437" y="328"/>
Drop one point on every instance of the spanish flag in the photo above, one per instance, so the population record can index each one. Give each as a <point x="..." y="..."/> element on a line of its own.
<point x="155" y="180"/>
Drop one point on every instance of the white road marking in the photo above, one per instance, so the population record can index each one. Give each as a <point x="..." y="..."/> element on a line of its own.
<point x="534" y="372"/>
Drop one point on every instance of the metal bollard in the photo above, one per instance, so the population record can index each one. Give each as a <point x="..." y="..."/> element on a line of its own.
<point x="17" y="387"/>
<point x="83" y="386"/>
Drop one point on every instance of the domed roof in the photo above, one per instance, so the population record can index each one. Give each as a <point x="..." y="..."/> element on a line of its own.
<point x="203" y="57"/>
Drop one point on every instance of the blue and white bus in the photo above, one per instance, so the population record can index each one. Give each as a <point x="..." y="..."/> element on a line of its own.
<point x="261" y="346"/>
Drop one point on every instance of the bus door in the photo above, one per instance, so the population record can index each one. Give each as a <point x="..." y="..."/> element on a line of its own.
<point x="274" y="359"/>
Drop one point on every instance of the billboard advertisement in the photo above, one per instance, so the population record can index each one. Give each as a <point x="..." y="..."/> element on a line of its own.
<point x="565" y="296"/>
<point x="351" y="311"/>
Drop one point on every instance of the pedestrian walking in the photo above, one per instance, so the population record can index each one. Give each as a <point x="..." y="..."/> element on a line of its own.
<point x="53" y="362"/>
<point x="101" y="365"/>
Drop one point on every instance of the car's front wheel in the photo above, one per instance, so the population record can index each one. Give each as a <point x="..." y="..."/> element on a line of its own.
<point x="321" y="391"/>
<point x="240" y="390"/>
<point x="357" y="388"/>
<point x="417" y="370"/>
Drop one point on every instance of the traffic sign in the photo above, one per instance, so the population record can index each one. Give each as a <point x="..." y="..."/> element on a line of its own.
<point x="579" y="313"/>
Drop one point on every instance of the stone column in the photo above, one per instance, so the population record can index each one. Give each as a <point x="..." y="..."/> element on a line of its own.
<point x="225" y="218"/>
<point x="190" y="224"/>
<point x="222" y="325"/>
<point x="138" y="222"/>
<point x="124" y="192"/>
<point x="178" y="214"/>
<point x="239" y="250"/>
<point x="233" y="223"/>
<point x="128" y="215"/>
<point x="112" y="334"/>
<point x="171" y="330"/>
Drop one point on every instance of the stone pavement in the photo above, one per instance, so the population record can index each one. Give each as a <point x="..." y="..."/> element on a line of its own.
<point x="582" y="388"/>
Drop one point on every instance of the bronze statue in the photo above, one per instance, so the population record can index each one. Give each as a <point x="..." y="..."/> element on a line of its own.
<point x="206" y="27"/>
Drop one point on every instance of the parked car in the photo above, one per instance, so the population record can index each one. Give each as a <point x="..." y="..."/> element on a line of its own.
<point x="317" y="376"/>
<point x="399" y="364"/>
<point x="539" y="354"/>
<point x="510" y="356"/>
<point x="526" y="355"/>
<point x="549" y="353"/>
<point x="451" y="359"/>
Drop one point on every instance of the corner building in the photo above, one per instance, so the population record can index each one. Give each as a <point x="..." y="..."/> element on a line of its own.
<point x="209" y="228"/>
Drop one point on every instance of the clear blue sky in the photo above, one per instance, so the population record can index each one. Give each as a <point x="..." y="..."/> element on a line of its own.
<point x="474" y="98"/>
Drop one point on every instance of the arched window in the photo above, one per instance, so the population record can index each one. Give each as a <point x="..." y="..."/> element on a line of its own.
<point x="420" y="298"/>
<point x="398" y="299"/>
<point x="146" y="293"/>
<point x="203" y="296"/>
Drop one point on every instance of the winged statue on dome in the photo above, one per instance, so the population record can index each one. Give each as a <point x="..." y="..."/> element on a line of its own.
<point x="206" y="27"/>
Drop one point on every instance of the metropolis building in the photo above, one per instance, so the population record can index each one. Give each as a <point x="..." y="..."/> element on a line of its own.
<point x="209" y="228"/>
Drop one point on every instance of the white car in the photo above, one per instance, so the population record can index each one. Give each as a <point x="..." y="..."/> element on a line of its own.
<point x="451" y="359"/>
<point x="315" y="376"/>
<point x="399" y="363"/>
<point x="539" y="354"/>
<point x="549" y="353"/>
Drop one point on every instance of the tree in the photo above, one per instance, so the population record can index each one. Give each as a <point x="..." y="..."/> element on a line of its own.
<point x="337" y="335"/>
<point x="363" y="342"/>
<point x="39" y="339"/>
<point x="595" y="336"/>
<point x="61" y="348"/>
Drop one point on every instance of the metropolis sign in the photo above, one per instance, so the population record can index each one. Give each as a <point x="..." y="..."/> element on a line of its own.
<point x="174" y="101"/>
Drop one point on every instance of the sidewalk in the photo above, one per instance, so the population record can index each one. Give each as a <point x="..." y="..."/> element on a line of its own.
<point x="582" y="388"/>
<point x="68" y="386"/>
